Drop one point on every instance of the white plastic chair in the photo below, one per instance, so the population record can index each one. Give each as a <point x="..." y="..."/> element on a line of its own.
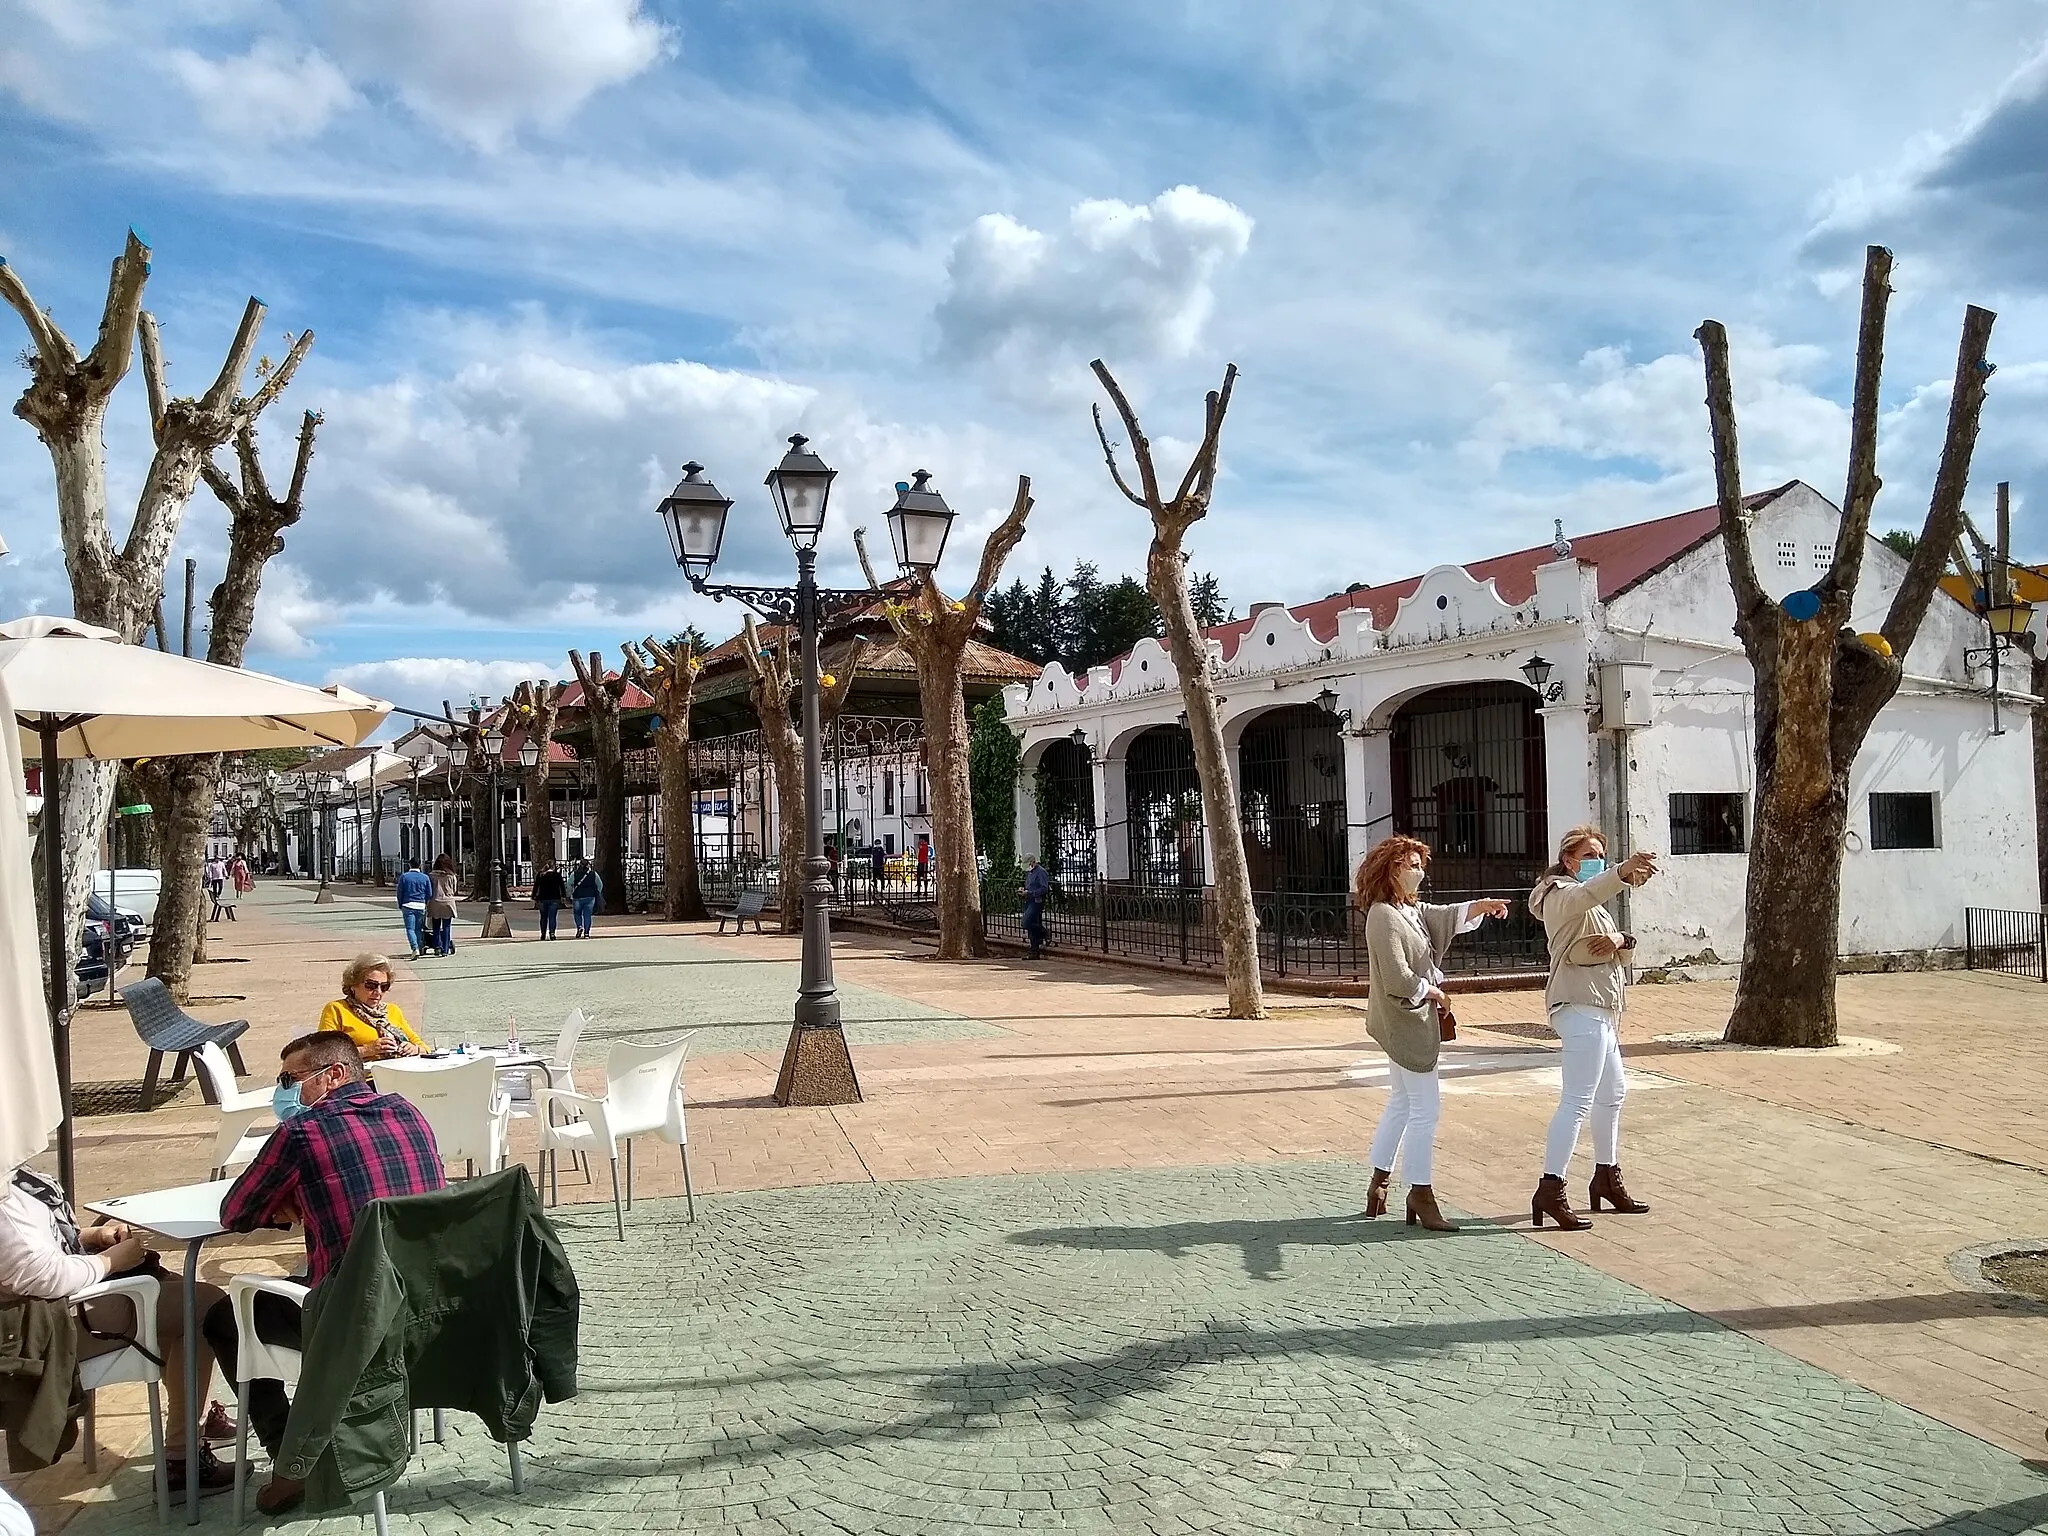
<point x="462" y="1105"/>
<point x="256" y="1360"/>
<point x="130" y="1364"/>
<point x="246" y="1120"/>
<point x="561" y="1063"/>
<point x="643" y="1094"/>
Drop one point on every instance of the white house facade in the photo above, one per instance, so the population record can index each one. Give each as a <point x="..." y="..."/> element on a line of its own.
<point x="1486" y="708"/>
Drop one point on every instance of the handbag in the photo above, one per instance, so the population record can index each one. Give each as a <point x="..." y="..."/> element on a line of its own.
<point x="1446" y="1022"/>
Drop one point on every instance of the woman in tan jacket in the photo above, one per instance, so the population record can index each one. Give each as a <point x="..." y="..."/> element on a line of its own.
<point x="1406" y="941"/>
<point x="1588" y="974"/>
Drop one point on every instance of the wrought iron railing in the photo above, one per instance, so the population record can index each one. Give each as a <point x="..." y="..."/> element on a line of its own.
<point x="2012" y="942"/>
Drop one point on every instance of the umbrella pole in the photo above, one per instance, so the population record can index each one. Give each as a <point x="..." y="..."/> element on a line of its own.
<point x="60" y="958"/>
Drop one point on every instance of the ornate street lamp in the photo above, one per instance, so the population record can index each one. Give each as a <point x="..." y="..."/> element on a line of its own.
<point x="327" y="795"/>
<point x="486" y="756"/>
<point x="1538" y="671"/>
<point x="817" y="1068"/>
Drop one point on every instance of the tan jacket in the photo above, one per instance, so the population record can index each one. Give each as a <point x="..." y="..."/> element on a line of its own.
<point x="1397" y="958"/>
<point x="1573" y="913"/>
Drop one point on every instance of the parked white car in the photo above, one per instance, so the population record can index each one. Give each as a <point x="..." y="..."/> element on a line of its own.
<point x="133" y="889"/>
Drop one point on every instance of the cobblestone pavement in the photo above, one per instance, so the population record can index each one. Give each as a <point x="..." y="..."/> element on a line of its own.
<point x="1167" y="1351"/>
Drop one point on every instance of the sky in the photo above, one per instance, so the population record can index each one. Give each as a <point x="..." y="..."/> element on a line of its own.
<point x="552" y="249"/>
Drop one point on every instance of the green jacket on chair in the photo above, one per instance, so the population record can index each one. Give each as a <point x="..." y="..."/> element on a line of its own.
<point x="459" y="1299"/>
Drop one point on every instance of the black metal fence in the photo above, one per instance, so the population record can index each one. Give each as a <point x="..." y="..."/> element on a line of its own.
<point x="2012" y="942"/>
<point x="1301" y="933"/>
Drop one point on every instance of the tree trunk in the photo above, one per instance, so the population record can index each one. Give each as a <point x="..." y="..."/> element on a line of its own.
<point x="184" y="811"/>
<point x="682" y="897"/>
<point x="961" y="936"/>
<point x="540" y="819"/>
<point x="786" y="760"/>
<point x="1237" y="922"/>
<point x="482" y="838"/>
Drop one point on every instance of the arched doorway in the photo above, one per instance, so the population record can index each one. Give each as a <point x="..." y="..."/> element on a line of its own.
<point x="1468" y="780"/>
<point x="1163" y="805"/>
<point x="1291" y="801"/>
<point x="1065" y="788"/>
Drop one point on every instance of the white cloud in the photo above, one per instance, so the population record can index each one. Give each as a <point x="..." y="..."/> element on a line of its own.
<point x="424" y="682"/>
<point x="1130" y="283"/>
<point x="268" y="92"/>
<point x="480" y="68"/>
<point x="288" y="612"/>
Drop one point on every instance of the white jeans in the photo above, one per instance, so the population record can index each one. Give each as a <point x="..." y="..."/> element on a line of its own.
<point x="1594" y="1085"/>
<point x="1408" y="1124"/>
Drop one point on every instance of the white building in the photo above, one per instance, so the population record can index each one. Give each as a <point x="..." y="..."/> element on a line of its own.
<point x="1643" y="722"/>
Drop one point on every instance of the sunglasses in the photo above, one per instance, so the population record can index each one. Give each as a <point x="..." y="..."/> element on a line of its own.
<point x="375" y="986"/>
<point x="287" y="1077"/>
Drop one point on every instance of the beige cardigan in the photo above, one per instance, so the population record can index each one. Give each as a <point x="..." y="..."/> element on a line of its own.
<point x="1397" y="958"/>
<point x="1573" y="913"/>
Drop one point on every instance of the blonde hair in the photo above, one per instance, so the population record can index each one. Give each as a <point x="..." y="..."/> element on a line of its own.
<point x="1585" y="832"/>
<point x="1376" y="876"/>
<point x="360" y="967"/>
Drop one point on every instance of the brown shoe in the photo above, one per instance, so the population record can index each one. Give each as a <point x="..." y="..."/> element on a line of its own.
<point x="215" y="1475"/>
<point x="218" y="1427"/>
<point x="1549" y="1200"/>
<point x="1376" y="1192"/>
<point x="279" y="1495"/>
<point x="1607" y="1186"/>
<point x="1422" y="1208"/>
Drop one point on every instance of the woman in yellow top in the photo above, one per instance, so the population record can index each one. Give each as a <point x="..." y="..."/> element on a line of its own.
<point x="366" y="1015"/>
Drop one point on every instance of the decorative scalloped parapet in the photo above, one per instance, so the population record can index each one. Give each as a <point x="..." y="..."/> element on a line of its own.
<point x="1448" y="603"/>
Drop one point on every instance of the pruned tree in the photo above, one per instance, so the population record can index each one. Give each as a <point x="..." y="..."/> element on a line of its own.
<point x="603" y="694"/>
<point x="1166" y="578"/>
<point x="1818" y="686"/>
<point x="66" y="402"/>
<point x="465" y="737"/>
<point x="668" y="673"/>
<point x="935" y="629"/>
<point x="536" y="707"/>
<point x="773" y="685"/>
<point x="257" y="519"/>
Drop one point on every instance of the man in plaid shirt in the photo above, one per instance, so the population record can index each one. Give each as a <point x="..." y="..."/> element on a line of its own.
<point x="347" y="1146"/>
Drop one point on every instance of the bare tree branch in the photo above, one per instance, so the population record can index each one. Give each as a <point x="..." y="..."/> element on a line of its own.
<point x="308" y="425"/>
<point x="1109" y="458"/>
<point x="281" y="375"/>
<point x="1001" y="541"/>
<point x="1201" y="476"/>
<point x="227" y="387"/>
<point x="108" y="364"/>
<point x="1749" y="594"/>
<point x="1141" y="446"/>
<point x="50" y="343"/>
<point x="1863" y="483"/>
<point x="154" y="384"/>
<point x="1945" y="502"/>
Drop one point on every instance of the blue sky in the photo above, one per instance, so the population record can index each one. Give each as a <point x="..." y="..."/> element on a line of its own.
<point x="553" y="248"/>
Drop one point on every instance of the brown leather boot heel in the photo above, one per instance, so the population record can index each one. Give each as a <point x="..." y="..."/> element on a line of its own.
<point x="1607" y="1186"/>
<point x="1376" y="1192"/>
<point x="1422" y="1208"/>
<point x="1549" y="1200"/>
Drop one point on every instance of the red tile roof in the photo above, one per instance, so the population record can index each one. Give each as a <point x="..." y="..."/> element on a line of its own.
<point x="635" y="697"/>
<point x="1624" y="557"/>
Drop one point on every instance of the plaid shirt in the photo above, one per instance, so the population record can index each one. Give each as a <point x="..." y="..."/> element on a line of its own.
<point x="354" y="1146"/>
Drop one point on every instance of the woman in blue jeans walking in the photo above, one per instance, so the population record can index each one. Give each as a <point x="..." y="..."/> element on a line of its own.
<point x="549" y="892"/>
<point x="585" y="890"/>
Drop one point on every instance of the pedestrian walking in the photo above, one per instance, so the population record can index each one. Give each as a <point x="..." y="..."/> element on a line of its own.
<point x="924" y="861"/>
<point x="1588" y="976"/>
<point x="214" y="875"/>
<point x="444" y="883"/>
<point x="1037" y="886"/>
<point x="878" y="856"/>
<point x="586" y="890"/>
<point x="550" y="890"/>
<point x="832" y="864"/>
<point x="415" y="891"/>
<point x="1406" y="940"/>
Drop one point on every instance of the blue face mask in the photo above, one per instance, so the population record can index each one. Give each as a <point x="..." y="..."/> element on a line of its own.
<point x="285" y="1102"/>
<point x="1590" y="868"/>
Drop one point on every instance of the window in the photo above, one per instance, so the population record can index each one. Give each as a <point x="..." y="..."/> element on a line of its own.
<point x="1823" y="556"/>
<point x="888" y="791"/>
<point x="1707" y="823"/>
<point x="1903" y="821"/>
<point x="1788" y="554"/>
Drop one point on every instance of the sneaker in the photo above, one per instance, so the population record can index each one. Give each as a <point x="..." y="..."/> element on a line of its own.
<point x="215" y="1475"/>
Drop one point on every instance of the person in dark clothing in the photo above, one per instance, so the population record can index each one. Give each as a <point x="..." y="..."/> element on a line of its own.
<point x="879" y="857"/>
<point x="415" y="890"/>
<point x="550" y="890"/>
<point x="339" y="1145"/>
<point x="1037" y="886"/>
<point x="587" y="890"/>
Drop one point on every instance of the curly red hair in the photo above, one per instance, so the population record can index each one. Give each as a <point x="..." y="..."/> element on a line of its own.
<point x="1376" y="882"/>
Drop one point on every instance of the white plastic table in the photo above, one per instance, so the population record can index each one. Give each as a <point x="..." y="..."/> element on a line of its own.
<point x="188" y="1214"/>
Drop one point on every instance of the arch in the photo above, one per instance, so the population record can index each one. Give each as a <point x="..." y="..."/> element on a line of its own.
<point x="1291" y="802"/>
<point x="1163" y="808"/>
<point x="1468" y="779"/>
<point x="1063" y="784"/>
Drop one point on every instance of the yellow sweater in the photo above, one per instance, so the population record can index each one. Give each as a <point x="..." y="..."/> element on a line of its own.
<point x="339" y="1016"/>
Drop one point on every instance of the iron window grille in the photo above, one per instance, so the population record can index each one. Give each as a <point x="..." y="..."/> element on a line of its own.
<point x="1903" y="821"/>
<point x="1708" y="823"/>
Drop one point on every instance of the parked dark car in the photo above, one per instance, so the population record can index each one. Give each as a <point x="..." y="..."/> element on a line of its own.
<point x="130" y="925"/>
<point x="91" y="968"/>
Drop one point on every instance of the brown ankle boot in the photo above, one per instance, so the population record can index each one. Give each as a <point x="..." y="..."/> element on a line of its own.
<point x="1422" y="1208"/>
<point x="1549" y="1200"/>
<point x="1607" y="1186"/>
<point x="1376" y="1192"/>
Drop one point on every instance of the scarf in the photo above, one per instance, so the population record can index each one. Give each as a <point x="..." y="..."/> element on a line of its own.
<point x="373" y="1014"/>
<point x="45" y="1192"/>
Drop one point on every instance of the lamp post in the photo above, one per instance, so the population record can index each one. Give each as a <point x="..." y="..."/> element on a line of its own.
<point x="529" y="759"/>
<point x="1538" y="671"/>
<point x="486" y="756"/>
<point x="817" y="1068"/>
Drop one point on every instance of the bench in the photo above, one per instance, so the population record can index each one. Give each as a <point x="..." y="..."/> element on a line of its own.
<point x="168" y="1029"/>
<point x="748" y="906"/>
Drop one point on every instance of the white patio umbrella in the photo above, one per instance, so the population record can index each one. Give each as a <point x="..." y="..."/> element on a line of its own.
<point x="31" y="1105"/>
<point x="78" y="691"/>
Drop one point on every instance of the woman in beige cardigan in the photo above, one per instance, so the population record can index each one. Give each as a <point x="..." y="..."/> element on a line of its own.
<point x="1406" y="941"/>
<point x="1588" y="975"/>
